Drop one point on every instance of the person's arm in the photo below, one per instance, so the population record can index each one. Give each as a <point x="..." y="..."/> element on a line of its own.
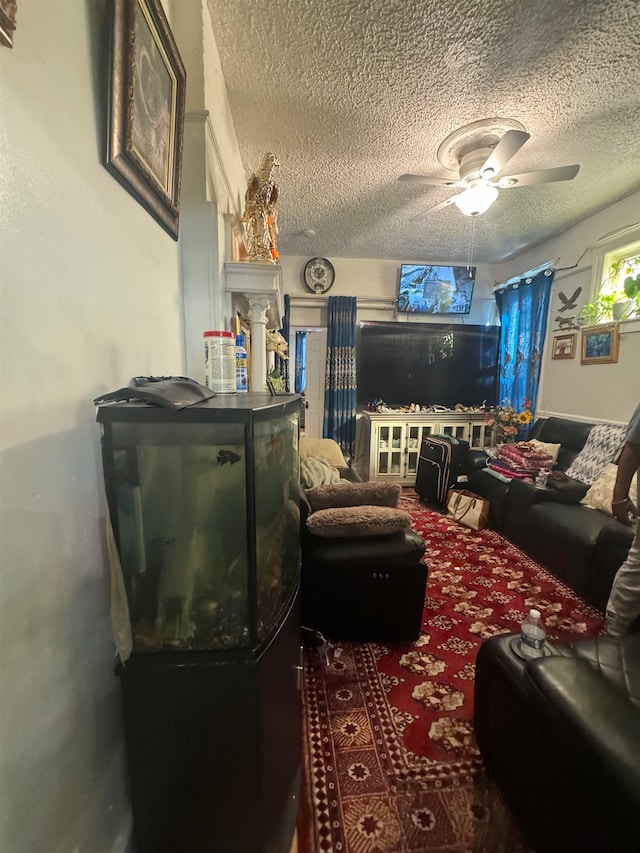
<point x="623" y="507"/>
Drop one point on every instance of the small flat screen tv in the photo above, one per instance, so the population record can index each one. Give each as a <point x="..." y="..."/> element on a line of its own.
<point x="430" y="289"/>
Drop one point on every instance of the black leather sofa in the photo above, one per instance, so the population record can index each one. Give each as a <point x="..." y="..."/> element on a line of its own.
<point x="583" y="547"/>
<point x="560" y="735"/>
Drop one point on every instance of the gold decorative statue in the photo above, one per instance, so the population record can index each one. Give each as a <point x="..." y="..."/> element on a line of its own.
<point x="260" y="212"/>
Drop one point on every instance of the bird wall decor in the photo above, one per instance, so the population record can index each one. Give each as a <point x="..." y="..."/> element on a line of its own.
<point x="569" y="303"/>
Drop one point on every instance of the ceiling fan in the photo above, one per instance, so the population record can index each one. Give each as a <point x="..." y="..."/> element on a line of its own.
<point x="479" y="171"/>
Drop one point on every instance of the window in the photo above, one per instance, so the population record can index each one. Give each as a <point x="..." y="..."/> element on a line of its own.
<point x="619" y="266"/>
<point x="616" y="277"/>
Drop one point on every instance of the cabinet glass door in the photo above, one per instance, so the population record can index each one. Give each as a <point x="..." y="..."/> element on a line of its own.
<point x="389" y="450"/>
<point x="460" y="431"/>
<point x="382" y="449"/>
<point x="414" y="440"/>
<point x="482" y="436"/>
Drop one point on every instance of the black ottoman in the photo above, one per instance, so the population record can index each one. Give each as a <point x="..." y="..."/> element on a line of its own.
<point x="367" y="588"/>
<point x="561" y="737"/>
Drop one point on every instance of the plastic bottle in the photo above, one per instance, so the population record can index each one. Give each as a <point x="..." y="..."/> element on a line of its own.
<point x="541" y="479"/>
<point x="242" y="373"/>
<point x="532" y="635"/>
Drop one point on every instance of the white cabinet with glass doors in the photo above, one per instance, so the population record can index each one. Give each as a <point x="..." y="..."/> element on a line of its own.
<point x="388" y="446"/>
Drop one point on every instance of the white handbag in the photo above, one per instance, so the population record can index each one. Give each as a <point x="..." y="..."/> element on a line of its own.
<point x="468" y="509"/>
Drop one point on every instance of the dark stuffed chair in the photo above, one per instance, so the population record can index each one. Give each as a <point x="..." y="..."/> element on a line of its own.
<point x="363" y="576"/>
<point x="560" y="735"/>
<point x="367" y="588"/>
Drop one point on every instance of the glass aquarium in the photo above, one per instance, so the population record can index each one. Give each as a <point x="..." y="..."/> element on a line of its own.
<point x="204" y="503"/>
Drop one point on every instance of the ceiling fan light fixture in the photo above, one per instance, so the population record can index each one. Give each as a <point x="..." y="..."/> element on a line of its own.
<point x="476" y="199"/>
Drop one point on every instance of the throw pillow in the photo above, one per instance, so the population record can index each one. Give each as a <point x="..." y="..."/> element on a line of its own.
<point x="547" y="447"/>
<point x="358" y="521"/>
<point x="325" y="448"/>
<point x="603" y="444"/>
<point x="600" y="495"/>
<point x="354" y="494"/>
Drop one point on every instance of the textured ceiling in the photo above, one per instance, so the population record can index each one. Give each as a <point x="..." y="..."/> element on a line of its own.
<point x="350" y="94"/>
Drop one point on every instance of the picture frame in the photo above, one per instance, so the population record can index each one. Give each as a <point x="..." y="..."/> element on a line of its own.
<point x="8" y="13"/>
<point x="275" y="393"/>
<point x="564" y="346"/>
<point x="600" y="345"/>
<point x="147" y="109"/>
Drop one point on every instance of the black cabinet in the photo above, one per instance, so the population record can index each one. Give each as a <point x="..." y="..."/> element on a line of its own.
<point x="214" y="747"/>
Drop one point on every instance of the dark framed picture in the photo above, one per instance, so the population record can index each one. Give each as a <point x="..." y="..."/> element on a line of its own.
<point x="273" y="392"/>
<point x="8" y="11"/>
<point x="146" y="111"/>
<point x="564" y="346"/>
<point x="600" y="345"/>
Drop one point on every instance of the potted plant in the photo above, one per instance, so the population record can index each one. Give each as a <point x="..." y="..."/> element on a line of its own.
<point x="632" y="290"/>
<point x="618" y="304"/>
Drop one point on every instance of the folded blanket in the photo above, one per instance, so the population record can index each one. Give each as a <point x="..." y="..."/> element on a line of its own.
<point x="315" y="471"/>
<point x="509" y="473"/>
<point x="521" y="460"/>
<point x="525" y="455"/>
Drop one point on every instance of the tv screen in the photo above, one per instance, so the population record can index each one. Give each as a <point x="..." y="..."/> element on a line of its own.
<point x="427" y="363"/>
<point x="429" y="289"/>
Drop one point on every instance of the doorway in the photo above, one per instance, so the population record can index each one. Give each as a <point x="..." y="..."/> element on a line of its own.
<point x="314" y="389"/>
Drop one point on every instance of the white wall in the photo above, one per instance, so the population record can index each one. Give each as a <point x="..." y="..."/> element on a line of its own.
<point x="213" y="180"/>
<point x="599" y="391"/>
<point x="90" y="297"/>
<point x="371" y="279"/>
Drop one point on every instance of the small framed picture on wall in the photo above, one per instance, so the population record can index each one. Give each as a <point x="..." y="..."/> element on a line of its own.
<point x="600" y="345"/>
<point x="564" y="346"/>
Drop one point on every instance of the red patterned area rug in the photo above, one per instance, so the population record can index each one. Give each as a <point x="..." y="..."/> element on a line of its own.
<point x="392" y="764"/>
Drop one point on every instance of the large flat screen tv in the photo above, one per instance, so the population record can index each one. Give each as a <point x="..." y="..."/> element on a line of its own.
<point x="430" y="289"/>
<point x="427" y="363"/>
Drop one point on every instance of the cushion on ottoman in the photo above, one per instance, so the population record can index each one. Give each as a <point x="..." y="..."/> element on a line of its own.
<point x="357" y="521"/>
<point x="353" y="494"/>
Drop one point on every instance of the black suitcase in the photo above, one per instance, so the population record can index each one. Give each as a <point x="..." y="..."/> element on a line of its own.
<point x="442" y="460"/>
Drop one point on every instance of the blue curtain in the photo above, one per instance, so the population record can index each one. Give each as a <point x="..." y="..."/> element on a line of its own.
<point x="282" y="364"/>
<point x="301" y="362"/>
<point x="523" y="309"/>
<point x="340" y="374"/>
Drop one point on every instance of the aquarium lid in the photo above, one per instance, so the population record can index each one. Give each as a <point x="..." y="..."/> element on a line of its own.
<point x="170" y="392"/>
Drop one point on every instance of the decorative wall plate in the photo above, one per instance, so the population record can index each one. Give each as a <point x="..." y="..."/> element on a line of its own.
<point x="319" y="275"/>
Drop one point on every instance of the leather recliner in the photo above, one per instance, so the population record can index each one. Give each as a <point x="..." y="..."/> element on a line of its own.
<point x="560" y="735"/>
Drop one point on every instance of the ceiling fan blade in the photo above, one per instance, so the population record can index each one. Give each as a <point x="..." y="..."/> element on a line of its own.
<point x="495" y="212"/>
<point x="510" y="144"/>
<point x="434" y="182"/>
<point x="542" y="176"/>
<point x="436" y="207"/>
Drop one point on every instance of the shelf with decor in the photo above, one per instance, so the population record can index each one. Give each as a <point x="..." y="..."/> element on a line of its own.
<point x="388" y="444"/>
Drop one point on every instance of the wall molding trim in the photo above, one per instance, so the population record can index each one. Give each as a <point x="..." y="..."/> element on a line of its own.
<point x="216" y="171"/>
<point x="586" y="418"/>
